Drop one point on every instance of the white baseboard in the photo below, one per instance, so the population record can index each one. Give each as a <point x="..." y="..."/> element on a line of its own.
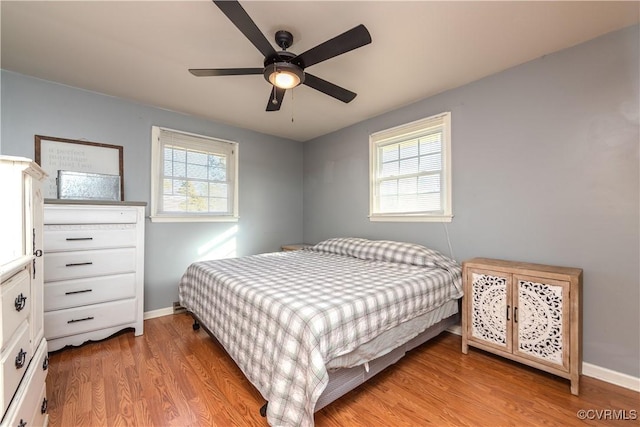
<point x="613" y="377"/>
<point x="455" y="329"/>
<point x="158" y="313"/>
<point x="593" y="371"/>
<point x="589" y="370"/>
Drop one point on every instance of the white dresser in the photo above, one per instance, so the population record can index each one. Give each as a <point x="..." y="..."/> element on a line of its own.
<point x="23" y="348"/>
<point x="94" y="270"/>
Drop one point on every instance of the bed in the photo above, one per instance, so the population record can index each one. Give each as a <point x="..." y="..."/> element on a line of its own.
<point x="307" y="326"/>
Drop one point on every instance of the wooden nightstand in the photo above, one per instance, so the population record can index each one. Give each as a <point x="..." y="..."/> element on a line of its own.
<point x="529" y="313"/>
<point x="295" y="246"/>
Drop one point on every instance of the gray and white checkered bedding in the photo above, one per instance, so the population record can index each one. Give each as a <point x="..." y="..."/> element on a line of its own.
<point x="282" y="315"/>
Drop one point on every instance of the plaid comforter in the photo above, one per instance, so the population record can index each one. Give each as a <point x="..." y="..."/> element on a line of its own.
<point x="281" y="316"/>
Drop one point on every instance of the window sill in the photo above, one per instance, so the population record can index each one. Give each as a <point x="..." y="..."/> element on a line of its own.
<point x="166" y="218"/>
<point x="410" y="218"/>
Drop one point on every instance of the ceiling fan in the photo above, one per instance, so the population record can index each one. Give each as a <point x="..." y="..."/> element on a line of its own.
<point x="283" y="69"/>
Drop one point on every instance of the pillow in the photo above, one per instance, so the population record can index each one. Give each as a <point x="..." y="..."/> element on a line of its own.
<point x="349" y="246"/>
<point x="384" y="250"/>
<point x="403" y="253"/>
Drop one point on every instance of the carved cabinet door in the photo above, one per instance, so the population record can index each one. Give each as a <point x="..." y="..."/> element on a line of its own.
<point x="489" y="308"/>
<point x="541" y="320"/>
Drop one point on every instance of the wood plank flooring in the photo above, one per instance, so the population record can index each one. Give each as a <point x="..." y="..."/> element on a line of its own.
<point x="173" y="376"/>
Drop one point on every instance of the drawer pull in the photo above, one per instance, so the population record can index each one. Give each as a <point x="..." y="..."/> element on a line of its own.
<point x="71" y="239"/>
<point x="80" y="320"/>
<point x="75" y="264"/>
<point x="78" y="292"/>
<point x="43" y="408"/>
<point x="22" y="423"/>
<point x="20" y="302"/>
<point x="45" y="363"/>
<point x="21" y="358"/>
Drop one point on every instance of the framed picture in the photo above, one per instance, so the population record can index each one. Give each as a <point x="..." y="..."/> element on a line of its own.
<point x="61" y="154"/>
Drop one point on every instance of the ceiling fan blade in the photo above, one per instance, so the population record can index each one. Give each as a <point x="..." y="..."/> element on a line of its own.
<point x="328" y="88"/>
<point x="207" y="72"/>
<point x="277" y="95"/>
<point x="345" y="42"/>
<point x="245" y="24"/>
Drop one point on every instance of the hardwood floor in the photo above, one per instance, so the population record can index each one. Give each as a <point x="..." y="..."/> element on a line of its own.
<point x="173" y="376"/>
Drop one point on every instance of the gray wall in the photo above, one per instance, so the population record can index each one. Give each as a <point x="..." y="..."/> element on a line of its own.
<point x="270" y="172"/>
<point x="545" y="169"/>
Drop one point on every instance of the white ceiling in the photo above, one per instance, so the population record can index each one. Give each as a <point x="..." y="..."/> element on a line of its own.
<point x="141" y="50"/>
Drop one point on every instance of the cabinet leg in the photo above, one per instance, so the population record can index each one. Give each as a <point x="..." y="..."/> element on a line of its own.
<point x="575" y="385"/>
<point x="465" y="346"/>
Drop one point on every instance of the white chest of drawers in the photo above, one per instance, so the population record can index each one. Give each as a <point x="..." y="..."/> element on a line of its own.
<point x="94" y="270"/>
<point x="23" y="349"/>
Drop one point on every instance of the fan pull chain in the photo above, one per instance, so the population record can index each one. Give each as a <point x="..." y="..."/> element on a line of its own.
<point x="291" y="105"/>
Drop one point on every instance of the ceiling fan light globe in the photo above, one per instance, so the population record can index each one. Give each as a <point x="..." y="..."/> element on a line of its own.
<point x="284" y="75"/>
<point x="284" y="80"/>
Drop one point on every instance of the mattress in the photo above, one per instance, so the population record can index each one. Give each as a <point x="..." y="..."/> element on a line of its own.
<point x="343" y="380"/>
<point x="393" y="338"/>
<point x="305" y="308"/>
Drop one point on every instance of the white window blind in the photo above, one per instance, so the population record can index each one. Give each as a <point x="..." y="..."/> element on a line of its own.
<point x="194" y="177"/>
<point x="410" y="171"/>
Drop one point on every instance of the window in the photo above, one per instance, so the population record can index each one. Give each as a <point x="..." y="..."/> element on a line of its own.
<point x="410" y="171"/>
<point x="194" y="177"/>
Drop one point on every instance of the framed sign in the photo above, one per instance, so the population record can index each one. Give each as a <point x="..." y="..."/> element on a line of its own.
<point x="55" y="154"/>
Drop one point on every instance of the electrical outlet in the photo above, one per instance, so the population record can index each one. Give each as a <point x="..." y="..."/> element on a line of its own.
<point x="177" y="308"/>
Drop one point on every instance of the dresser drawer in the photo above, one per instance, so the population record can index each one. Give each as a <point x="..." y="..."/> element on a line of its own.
<point x="79" y="264"/>
<point x="31" y="410"/>
<point x="83" y="237"/>
<point x="61" y="323"/>
<point x="40" y="417"/>
<point x="78" y="292"/>
<point x="89" y="215"/>
<point x="14" y="361"/>
<point x="27" y="404"/>
<point x="15" y="300"/>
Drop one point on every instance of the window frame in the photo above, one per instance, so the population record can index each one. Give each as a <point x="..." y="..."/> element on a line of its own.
<point x="399" y="134"/>
<point x="208" y="144"/>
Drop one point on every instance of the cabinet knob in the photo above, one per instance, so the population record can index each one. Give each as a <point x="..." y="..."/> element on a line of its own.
<point x="43" y="408"/>
<point x="20" y="302"/>
<point x="21" y="358"/>
<point x="45" y="363"/>
<point x="22" y="423"/>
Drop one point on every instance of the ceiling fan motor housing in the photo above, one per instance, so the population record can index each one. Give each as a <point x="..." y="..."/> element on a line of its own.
<point x="281" y="56"/>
